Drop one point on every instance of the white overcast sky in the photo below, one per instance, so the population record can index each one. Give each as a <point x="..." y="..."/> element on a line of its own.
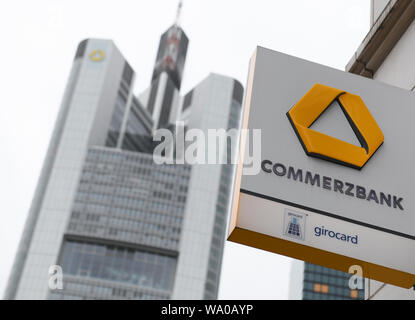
<point x="38" y="42"/>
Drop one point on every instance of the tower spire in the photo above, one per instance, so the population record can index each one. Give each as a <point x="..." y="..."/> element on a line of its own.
<point x="178" y="13"/>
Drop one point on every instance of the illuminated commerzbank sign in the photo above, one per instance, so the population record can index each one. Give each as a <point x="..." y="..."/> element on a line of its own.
<point x="318" y="196"/>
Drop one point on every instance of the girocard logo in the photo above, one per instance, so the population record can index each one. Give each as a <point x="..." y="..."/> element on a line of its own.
<point x="306" y="111"/>
<point x="324" y="232"/>
<point x="294" y="224"/>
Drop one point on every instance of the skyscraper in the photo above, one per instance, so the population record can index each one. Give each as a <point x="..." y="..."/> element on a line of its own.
<point x="120" y="225"/>
<point x="167" y="76"/>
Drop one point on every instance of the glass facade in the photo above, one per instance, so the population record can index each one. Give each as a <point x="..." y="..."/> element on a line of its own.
<point x="208" y="199"/>
<point x="117" y="263"/>
<point x="124" y="196"/>
<point x="321" y="283"/>
<point x="222" y="207"/>
<point x="117" y="117"/>
<point x="137" y="136"/>
<point x="125" y="226"/>
<point x="166" y="106"/>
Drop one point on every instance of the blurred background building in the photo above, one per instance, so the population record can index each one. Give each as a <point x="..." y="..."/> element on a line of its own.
<point x="121" y="226"/>
<point x="312" y="282"/>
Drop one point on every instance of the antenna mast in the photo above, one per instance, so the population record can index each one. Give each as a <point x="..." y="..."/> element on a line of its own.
<point x="178" y="13"/>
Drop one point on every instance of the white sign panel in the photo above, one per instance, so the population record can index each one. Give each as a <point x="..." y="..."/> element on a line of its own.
<point x="332" y="188"/>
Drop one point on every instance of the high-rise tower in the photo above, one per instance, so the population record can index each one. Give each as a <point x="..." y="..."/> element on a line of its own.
<point x="167" y="74"/>
<point x="120" y="225"/>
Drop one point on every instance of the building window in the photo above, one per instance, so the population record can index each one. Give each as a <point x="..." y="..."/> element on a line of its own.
<point x="117" y="263"/>
<point x="323" y="288"/>
<point x="354" y="294"/>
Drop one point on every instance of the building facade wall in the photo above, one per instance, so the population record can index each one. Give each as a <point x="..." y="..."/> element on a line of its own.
<point x="33" y="214"/>
<point x="296" y="280"/>
<point x="321" y="283"/>
<point x="125" y="227"/>
<point x="51" y="208"/>
<point x="198" y="269"/>
<point x="376" y="8"/>
<point x="398" y="69"/>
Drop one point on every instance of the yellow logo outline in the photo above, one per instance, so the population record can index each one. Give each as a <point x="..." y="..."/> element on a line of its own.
<point x="97" y="55"/>
<point x="316" y="144"/>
